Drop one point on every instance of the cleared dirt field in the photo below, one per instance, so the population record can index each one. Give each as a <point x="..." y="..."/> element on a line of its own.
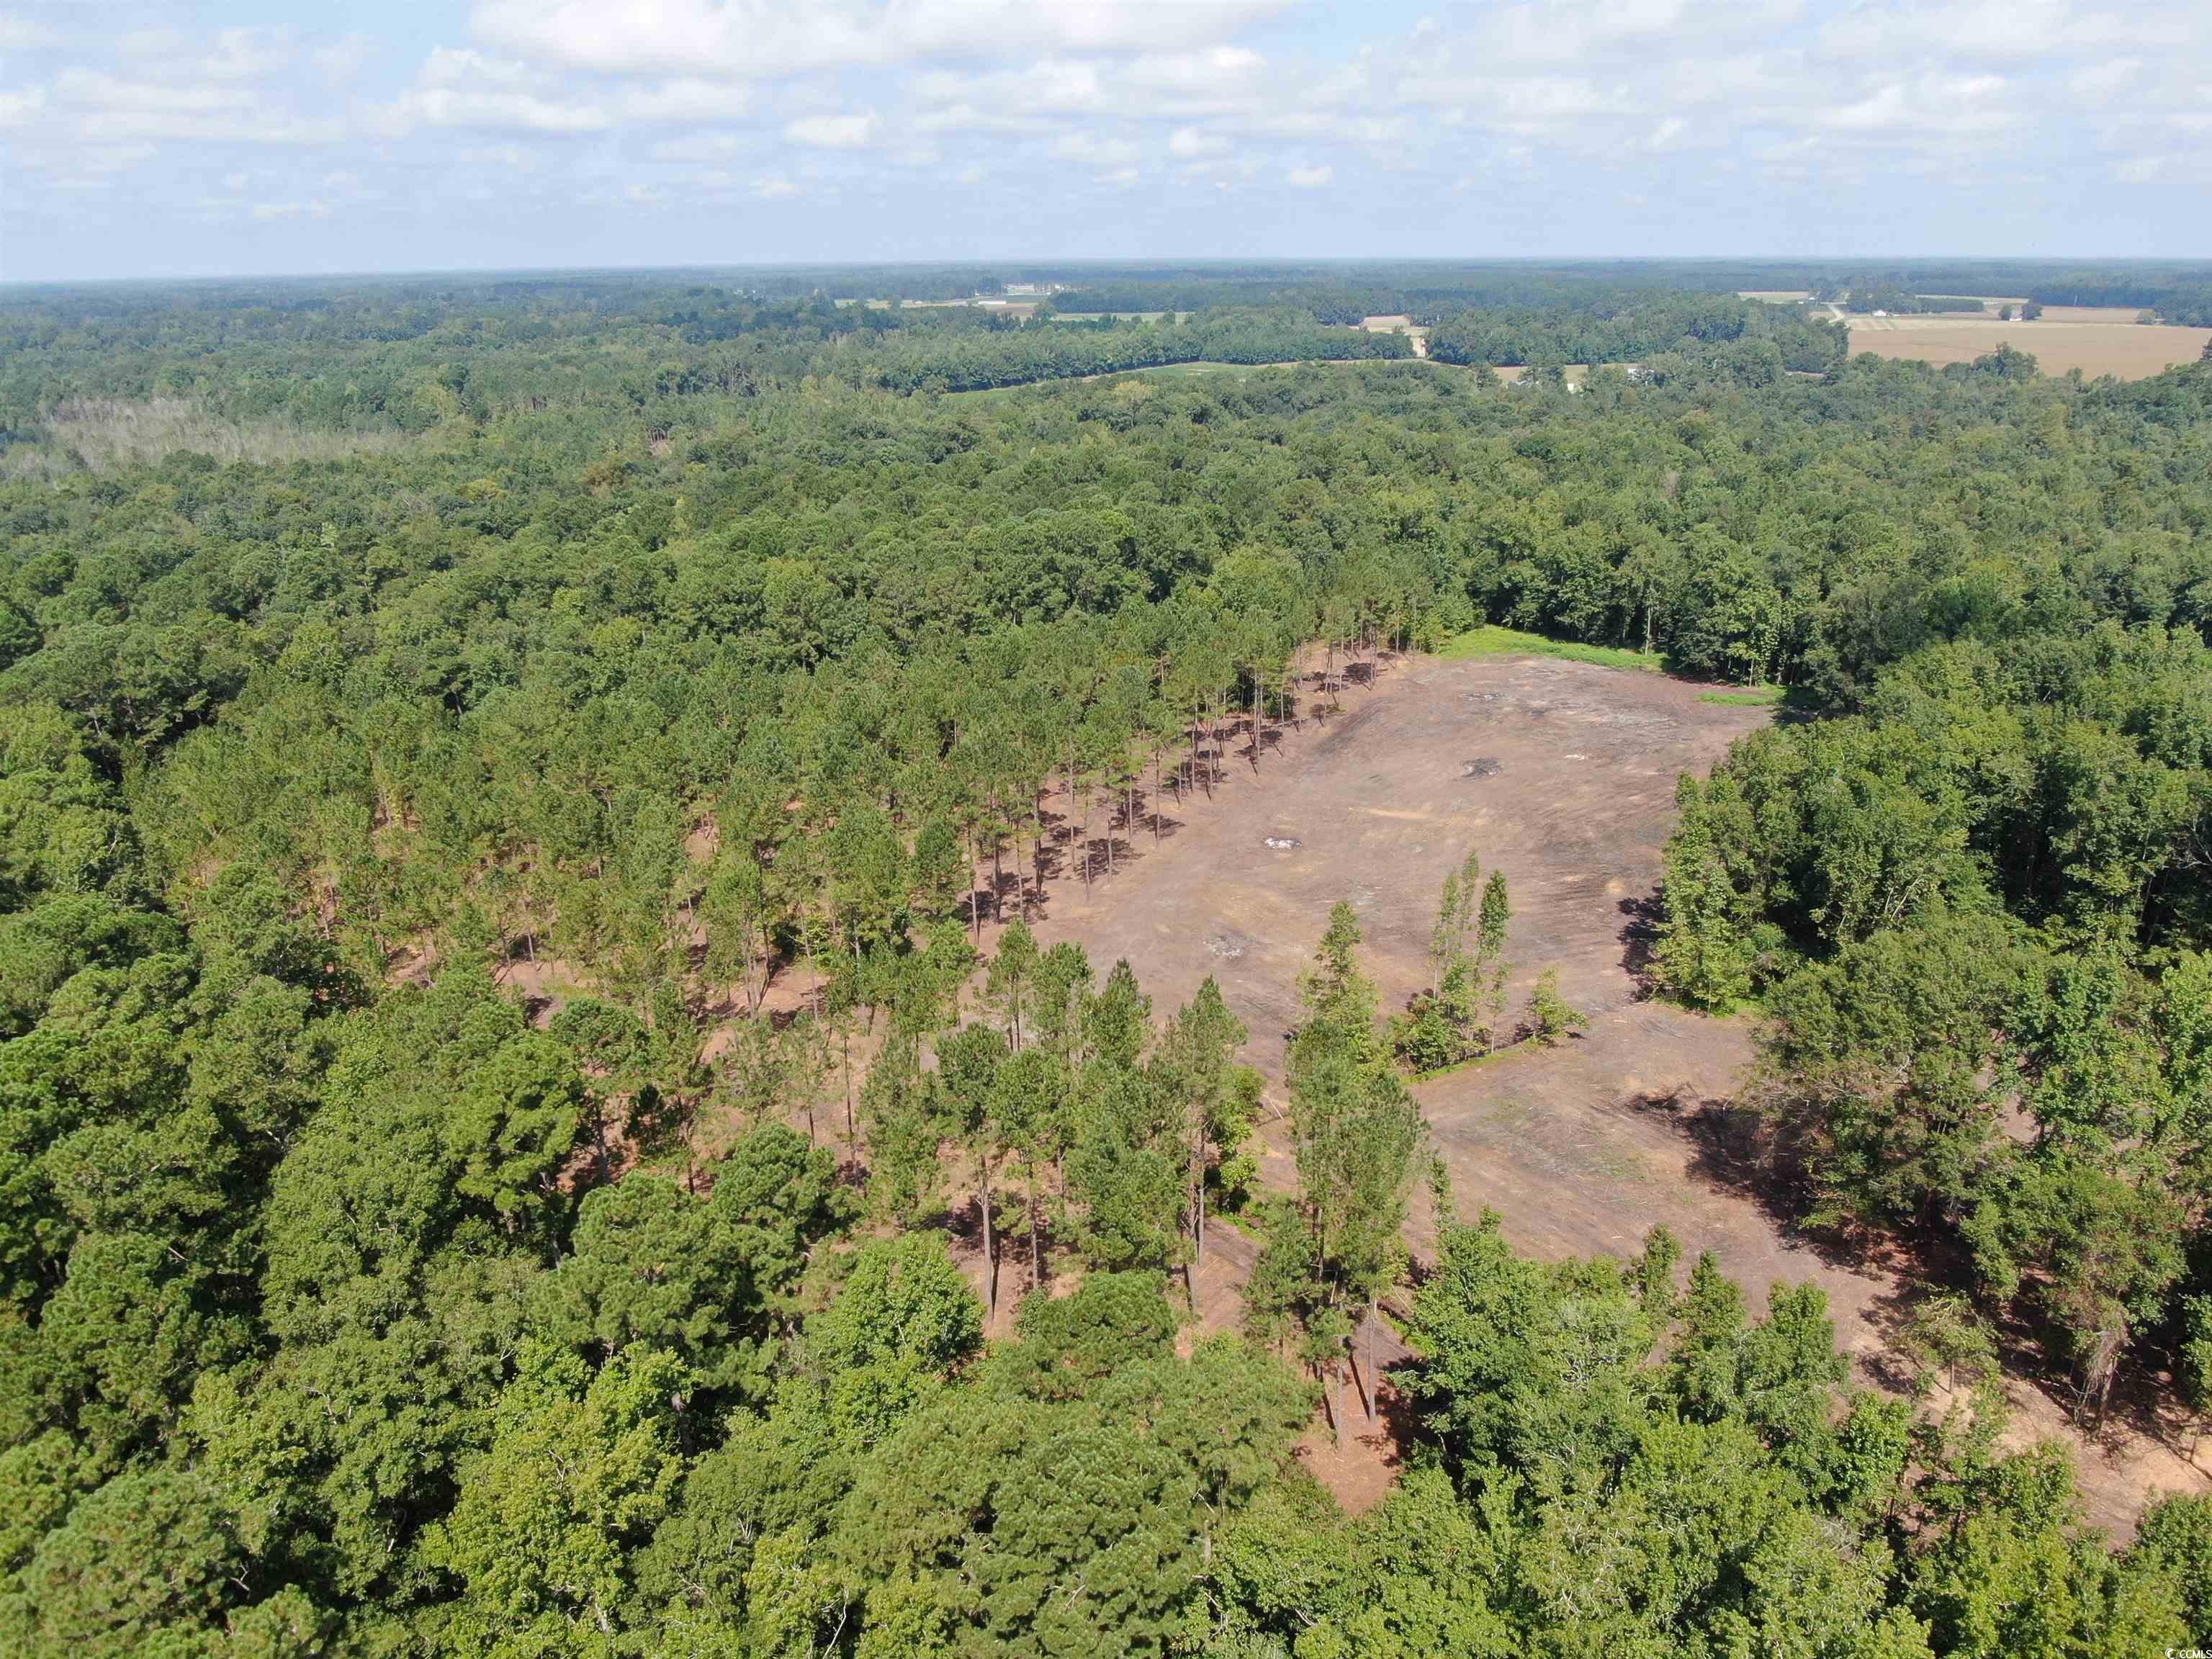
<point x="1562" y="774"/>
<point x="2094" y="340"/>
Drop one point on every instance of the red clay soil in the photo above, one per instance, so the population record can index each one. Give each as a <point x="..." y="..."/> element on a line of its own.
<point x="1561" y="774"/>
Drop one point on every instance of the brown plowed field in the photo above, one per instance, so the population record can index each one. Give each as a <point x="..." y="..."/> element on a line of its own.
<point x="2096" y="340"/>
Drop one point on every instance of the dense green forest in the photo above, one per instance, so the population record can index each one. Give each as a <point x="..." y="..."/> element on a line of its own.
<point x="1344" y="291"/>
<point x="364" y="646"/>
<point x="1630" y="325"/>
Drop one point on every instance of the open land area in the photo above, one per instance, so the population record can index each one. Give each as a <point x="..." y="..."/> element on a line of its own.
<point x="2095" y="340"/>
<point x="1561" y="774"/>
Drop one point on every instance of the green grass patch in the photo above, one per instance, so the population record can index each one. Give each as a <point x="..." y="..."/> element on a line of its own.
<point x="1492" y="641"/>
<point x="1520" y="1047"/>
<point x="1792" y="699"/>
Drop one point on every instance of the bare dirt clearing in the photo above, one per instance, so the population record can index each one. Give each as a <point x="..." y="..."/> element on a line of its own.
<point x="1561" y="774"/>
<point x="2094" y="340"/>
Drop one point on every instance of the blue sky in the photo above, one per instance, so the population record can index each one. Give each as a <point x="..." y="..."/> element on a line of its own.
<point x="209" y="139"/>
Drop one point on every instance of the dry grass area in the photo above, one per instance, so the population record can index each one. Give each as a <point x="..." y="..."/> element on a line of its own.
<point x="102" y="434"/>
<point x="2097" y="340"/>
<point x="1777" y="296"/>
<point x="1561" y="774"/>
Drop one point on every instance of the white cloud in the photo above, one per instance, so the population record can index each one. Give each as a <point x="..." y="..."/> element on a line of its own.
<point x="515" y="158"/>
<point x="702" y="147"/>
<point x="1934" y="104"/>
<point x="1093" y="150"/>
<point x="21" y="108"/>
<point x="768" y="39"/>
<point x="685" y="101"/>
<point x="499" y="111"/>
<point x="1197" y="84"/>
<point x="231" y="54"/>
<point x="459" y="88"/>
<point x="96" y="107"/>
<point x="1052" y="87"/>
<point x="1567" y="113"/>
<point x="1333" y="126"/>
<point x="344" y="58"/>
<point x="832" y="131"/>
<point x="19" y="34"/>
<point x="2096" y="81"/>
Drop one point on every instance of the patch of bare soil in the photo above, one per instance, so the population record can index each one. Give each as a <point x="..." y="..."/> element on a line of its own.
<point x="1354" y="1450"/>
<point x="1561" y="774"/>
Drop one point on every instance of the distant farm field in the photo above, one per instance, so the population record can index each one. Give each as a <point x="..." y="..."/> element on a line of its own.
<point x="1779" y="296"/>
<point x="2097" y="340"/>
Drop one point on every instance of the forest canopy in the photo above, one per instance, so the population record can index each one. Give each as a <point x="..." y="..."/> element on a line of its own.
<point x="368" y="650"/>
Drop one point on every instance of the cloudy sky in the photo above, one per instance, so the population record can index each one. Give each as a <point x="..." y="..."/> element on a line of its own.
<point x="250" y="136"/>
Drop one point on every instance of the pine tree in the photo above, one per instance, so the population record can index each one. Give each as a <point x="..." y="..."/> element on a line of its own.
<point x="1490" y="967"/>
<point x="1010" y="988"/>
<point x="1356" y="1132"/>
<point x="1197" y="1059"/>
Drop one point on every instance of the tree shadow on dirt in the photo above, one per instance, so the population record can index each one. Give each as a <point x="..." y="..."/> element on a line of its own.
<point x="1639" y="941"/>
<point x="1199" y="772"/>
<point x="1007" y="896"/>
<point x="2143" y="1404"/>
<point x="1102" y="858"/>
<point x="1141" y="816"/>
<point x="1732" y="1151"/>
<point x="1237" y="740"/>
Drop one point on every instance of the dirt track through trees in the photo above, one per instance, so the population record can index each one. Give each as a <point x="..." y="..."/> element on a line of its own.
<point x="1562" y="773"/>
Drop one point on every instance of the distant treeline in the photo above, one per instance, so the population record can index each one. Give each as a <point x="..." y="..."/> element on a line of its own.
<point x="2177" y="293"/>
<point x="383" y="356"/>
<point x="1430" y="290"/>
<point x="1899" y="302"/>
<point x="399" y="354"/>
<point x="971" y="360"/>
<point x="1642" y="327"/>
